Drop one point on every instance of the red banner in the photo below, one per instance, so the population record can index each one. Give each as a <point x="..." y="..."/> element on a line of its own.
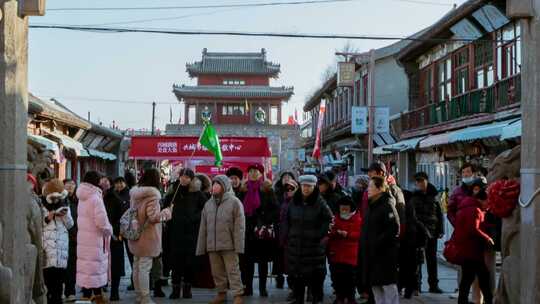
<point x="176" y="147"/>
<point x="317" y="149"/>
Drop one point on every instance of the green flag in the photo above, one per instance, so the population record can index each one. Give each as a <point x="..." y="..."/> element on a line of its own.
<point x="210" y="140"/>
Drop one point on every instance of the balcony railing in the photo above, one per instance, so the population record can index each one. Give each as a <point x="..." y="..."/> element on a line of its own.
<point x="486" y="100"/>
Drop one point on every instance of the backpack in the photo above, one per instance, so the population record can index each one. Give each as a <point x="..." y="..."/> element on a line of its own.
<point x="130" y="228"/>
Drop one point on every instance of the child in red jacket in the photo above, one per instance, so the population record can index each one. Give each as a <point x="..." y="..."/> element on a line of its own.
<point x="343" y="250"/>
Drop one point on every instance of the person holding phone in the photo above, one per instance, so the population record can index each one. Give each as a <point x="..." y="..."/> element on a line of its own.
<point x="57" y="221"/>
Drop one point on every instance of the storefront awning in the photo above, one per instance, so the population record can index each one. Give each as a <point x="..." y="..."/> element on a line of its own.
<point x="70" y="143"/>
<point x="467" y="134"/>
<point x="46" y="143"/>
<point x="400" y="146"/>
<point x="102" y="155"/>
<point x="382" y="139"/>
<point x="512" y="130"/>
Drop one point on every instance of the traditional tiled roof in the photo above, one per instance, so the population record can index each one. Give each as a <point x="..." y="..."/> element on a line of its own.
<point x="233" y="63"/>
<point x="233" y="91"/>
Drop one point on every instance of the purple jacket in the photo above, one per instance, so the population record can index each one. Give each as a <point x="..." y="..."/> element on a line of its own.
<point x="456" y="199"/>
<point x="283" y="227"/>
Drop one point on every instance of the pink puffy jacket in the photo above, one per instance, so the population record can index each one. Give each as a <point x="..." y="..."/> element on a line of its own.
<point x="93" y="238"/>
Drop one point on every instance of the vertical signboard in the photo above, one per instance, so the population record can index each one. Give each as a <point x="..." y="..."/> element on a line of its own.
<point x="359" y="120"/>
<point x="345" y="74"/>
<point x="382" y="120"/>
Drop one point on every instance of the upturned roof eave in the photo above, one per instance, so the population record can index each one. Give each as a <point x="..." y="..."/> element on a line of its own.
<point x="438" y="30"/>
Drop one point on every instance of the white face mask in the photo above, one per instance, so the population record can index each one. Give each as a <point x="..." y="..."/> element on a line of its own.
<point x="346" y="215"/>
<point x="468" y="180"/>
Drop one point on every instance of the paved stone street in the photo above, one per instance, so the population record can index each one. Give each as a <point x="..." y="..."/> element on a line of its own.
<point x="447" y="278"/>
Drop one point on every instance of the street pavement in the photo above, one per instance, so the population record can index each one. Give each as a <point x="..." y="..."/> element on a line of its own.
<point x="447" y="277"/>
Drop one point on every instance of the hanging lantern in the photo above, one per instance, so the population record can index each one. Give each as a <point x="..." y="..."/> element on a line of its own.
<point x="260" y="116"/>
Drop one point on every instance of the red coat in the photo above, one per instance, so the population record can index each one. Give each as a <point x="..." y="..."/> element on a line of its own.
<point x="344" y="250"/>
<point x="470" y="240"/>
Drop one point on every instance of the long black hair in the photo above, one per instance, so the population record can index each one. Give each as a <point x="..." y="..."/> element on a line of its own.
<point x="92" y="178"/>
<point x="151" y="178"/>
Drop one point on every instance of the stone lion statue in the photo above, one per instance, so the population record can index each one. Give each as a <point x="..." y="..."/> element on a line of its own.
<point x="507" y="165"/>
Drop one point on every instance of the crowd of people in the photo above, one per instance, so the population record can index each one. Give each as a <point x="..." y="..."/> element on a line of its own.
<point x="210" y="233"/>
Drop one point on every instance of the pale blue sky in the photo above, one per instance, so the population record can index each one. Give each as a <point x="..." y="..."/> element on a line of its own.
<point x="143" y="67"/>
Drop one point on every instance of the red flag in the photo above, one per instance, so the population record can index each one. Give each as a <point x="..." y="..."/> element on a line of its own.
<point x="317" y="149"/>
<point x="291" y="121"/>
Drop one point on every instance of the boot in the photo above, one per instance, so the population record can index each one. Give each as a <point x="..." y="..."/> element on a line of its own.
<point x="158" y="292"/>
<point x="248" y="291"/>
<point x="186" y="292"/>
<point x="238" y="300"/>
<point x="100" y="299"/>
<point x="220" y="298"/>
<point x="176" y="292"/>
<point x="280" y="282"/>
<point x="262" y="287"/>
<point x="115" y="295"/>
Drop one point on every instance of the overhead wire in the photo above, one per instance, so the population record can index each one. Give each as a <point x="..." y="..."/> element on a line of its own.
<point x="248" y="34"/>
<point x="105" y="100"/>
<point x="239" y="5"/>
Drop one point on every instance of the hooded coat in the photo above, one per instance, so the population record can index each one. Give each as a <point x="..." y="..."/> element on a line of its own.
<point x="55" y="232"/>
<point x="456" y="198"/>
<point x="222" y="222"/>
<point x="146" y="201"/>
<point x="469" y="238"/>
<point x="308" y="222"/>
<point x="186" y="218"/>
<point x="93" y="238"/>
<point x="379" y="242"/>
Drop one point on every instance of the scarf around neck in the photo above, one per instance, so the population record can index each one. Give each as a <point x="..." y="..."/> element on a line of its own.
<point x="252" y="201"/>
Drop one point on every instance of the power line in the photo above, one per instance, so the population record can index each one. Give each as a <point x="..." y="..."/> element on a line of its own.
<point x="241" y="5"/>
<point x="106" y="100"/>
<point x="145" y="8"/>
<point x="248" y="34"/>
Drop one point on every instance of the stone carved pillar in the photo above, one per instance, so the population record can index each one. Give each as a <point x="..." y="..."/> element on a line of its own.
<point x="13" y="121"/>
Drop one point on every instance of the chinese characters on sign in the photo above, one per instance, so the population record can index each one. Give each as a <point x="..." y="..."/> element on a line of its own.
<point x="167" y="147"/>
<point x="382" y="120"/>
<point x="359" y="120"/>
<point x="172" y="147"/>
<point x="345" y="74"/>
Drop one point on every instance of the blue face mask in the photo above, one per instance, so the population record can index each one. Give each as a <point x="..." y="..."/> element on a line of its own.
<point x="468" y="180"/>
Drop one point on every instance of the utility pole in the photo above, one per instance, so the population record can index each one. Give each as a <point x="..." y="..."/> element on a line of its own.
<point x="370" y="58"/>
<point x="530" y="145"/>
<point x="88" y="115"/>
<point x="371" y="105"/>
<point x="153" y="117"/>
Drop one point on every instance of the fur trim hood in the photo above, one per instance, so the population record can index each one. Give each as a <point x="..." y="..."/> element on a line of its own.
<point x="144" y="194"/>
<point x="54" y="197"/>
<point x="86" y="190"/>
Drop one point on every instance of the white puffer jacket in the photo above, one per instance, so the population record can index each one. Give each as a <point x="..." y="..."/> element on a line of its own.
<point x="56" y="239"/>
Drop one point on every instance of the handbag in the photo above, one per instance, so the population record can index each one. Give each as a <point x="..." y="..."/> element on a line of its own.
<point x="266" y="233"/>
<point x="451" y="252"/>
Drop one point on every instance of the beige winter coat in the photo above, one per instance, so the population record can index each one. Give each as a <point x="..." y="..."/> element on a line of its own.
<point x="222" y="222"/>
<point x="146" y="200"/>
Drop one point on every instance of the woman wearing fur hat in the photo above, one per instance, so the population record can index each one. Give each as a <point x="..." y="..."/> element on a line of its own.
<point x="187" y="202"/>
<point x="56" y="222"/>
